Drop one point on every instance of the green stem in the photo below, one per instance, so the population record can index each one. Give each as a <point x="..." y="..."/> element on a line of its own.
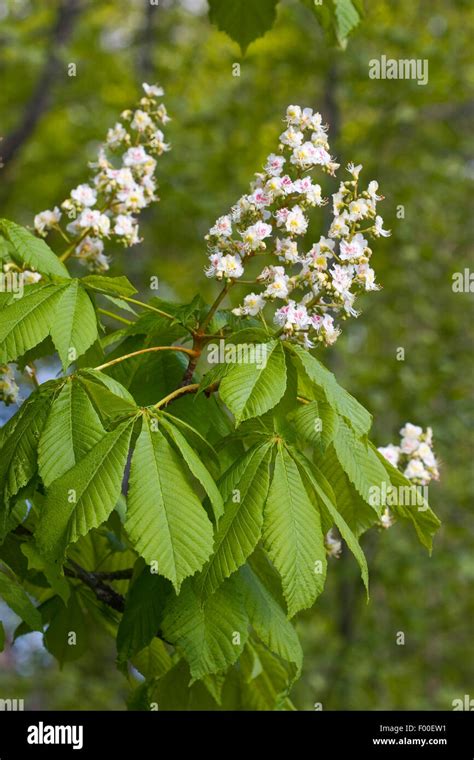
<point x="115" y="316"/>
<point x="146" y="351"/>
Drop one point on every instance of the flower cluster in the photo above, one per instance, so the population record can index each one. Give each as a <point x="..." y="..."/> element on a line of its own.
<point x="123" y="185"/>
<point x="414" y="456"/>
<point x="315" y="285"/>
<point x="9" y="390"/>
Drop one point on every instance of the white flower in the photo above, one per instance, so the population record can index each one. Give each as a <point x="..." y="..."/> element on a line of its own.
<point x="231" y="266"/>
<point x="291" y="137"/>
<point x="293" y="114"/>
<point x="367" y="275"/>
<point x="378" y="228"/>
<point x="339" y="226"/>
<point x="416" y="471"/>
<point x="296" y="222"/>
<point x="260" y="198"/>
<point x="141" y="121"/>
<point x="136" y="156"/>
<point x="84" y="195"/>
<point x="99" y="223"/>
<point x="253" y="305"/>
<point x="409" y="445"/>
<point x="411" y="431"/>
<point x="354" y="170"/>
<point x="352" y="249"/>
<point x="90" y="252"/>
<point x="29" y="277"/>
<point x="117" y="135"/>
<point x="255" y="234"/>
<point x="288" y="250"/>
<point x="372" y="191"/>
<point x="331" y="332"/>
<point x="274" y="164"/>
<point x="425" y="453"/>
<point x="133" y="198"/>
<point x="124" y="225"/>
<point x="152" y="90"/>
<point x="341" y="278"/>
<point x="358" y="209"/>
<point x="222" y="226"/>
<point x="278" y="288"/>
<point x="391" y="453"/>
<point x="46" y="220"/>
<point x="386" y="518"/>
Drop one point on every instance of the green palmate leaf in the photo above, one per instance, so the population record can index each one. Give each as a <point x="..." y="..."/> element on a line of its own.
<point x="266" y="685"/>
<point x="293" y="536"/>
<point x="194" y="436"/>
<point x="362" y="466"/>
<point x="153" y="661"/>
<point x="85" y="496"/>
<point x="113" y="385"/>
<point x="166" y="522"/>
<point x="423" y="518"/>
<point x="32" y="251"/>
<point x="242" y="20"/>
<point x="174" y="692"/>
<point x="196" y="466"/>
<point x="342" y="401"/>
<point x="109" y="405"/>
<point x="337" y="17"/>
<point x="114" y="286"/>
<point x="316" y="423"/>
<point x="251" y="389"/>
<point x="143" y="614"/>
<point x="28" y="321"/>
<point x="347" y="18"/>
<point x="357" y="513"/>
<point x="268" y="619"/>
<point x="74" y="328"/>
<point x="18" y="600"/>
<point x="66" y="635"/>
<point x="323" y="491"/>
<point x="211" y="634"/>
<point x="19" y="442"/>
<point x="72" y="429"/>
<point x="245" y="490"/>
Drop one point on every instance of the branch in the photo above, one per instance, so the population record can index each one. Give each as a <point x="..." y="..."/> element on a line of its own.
<point x="41" y="96"/>
<point x="104" y="593"/>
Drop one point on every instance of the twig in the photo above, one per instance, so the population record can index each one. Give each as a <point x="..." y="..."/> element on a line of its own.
<point x="146" y="351"/>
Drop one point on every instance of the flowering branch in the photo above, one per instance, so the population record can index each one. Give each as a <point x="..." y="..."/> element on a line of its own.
<point x="278" y="204"/>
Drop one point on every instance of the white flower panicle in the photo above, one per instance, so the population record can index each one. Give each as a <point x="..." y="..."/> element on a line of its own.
<point x="123" y="185"/>
<point x="414" y="456"/>
<point x="317" y="285"/>
<point x="9" y="390"/>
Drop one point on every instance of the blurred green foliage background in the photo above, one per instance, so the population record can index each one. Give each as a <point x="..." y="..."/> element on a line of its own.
<point x="417" y="142"/>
